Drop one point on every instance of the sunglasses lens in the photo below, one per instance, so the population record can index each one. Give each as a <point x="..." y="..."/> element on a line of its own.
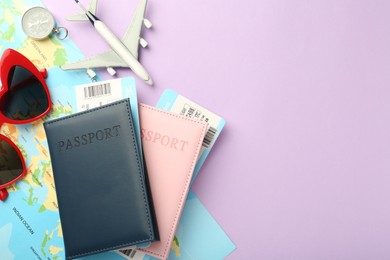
<point x="10" y="163"/>
<point x="26" y="97"/>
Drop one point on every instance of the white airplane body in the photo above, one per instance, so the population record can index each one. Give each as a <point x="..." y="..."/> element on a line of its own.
<point x="123" y="53"/>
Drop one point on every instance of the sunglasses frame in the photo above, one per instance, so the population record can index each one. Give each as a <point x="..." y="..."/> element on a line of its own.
<point x="9" y="60"/>
<point x="3" y="191"/>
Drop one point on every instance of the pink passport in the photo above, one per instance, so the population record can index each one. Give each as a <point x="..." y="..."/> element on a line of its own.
<point x="171" y="145"/>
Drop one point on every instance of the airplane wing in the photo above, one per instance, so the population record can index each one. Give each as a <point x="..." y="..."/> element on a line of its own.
<point x="104" y="60"/>
<point x="133" y="34"/>
<point x="131" y="40"/>
<point x="92" y="7"/>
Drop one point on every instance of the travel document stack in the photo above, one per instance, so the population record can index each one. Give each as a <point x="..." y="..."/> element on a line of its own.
<point x="100" y="181"/>
<point x="110" y="197"/>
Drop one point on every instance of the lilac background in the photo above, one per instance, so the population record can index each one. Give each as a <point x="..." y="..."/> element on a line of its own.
<point x="302" y="169"/>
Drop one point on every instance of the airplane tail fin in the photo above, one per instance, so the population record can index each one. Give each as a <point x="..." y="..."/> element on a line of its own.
<point x="92" y="6"/>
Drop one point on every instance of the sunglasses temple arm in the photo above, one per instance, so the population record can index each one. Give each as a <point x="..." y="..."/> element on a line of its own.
<point x="3" y="194"/>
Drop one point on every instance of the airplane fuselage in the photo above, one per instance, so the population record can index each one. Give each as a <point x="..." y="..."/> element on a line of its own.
<point x="119" y="48"/>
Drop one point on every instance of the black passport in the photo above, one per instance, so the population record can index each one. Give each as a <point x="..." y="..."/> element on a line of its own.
<point x="100" y="181"/>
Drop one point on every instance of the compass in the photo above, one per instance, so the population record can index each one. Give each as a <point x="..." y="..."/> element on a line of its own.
<point x="38" y="23"/>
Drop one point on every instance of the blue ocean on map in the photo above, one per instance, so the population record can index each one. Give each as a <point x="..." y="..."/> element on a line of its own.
<point x="26" y="226"/>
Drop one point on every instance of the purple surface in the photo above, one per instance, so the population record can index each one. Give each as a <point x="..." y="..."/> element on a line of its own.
<point x="302" y="169"/>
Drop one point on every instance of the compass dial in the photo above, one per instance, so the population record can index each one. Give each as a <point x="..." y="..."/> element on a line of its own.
<point x="37" y="22"/>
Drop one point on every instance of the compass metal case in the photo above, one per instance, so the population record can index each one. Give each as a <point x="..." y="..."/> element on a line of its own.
<point x="38" y="23"/>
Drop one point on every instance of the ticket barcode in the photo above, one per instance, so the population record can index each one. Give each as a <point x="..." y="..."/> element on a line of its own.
<point x="209" y="137"/>
<point x="130" y="253"/>
<point x="97" y="90"/>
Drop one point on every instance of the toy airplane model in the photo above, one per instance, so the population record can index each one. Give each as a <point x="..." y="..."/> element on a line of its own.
<point x="124" y="52"/>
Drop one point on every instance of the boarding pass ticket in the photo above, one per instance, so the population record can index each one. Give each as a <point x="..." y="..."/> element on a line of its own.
<point x="173" y="102"/>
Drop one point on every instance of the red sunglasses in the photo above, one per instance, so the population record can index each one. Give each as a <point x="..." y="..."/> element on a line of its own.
<point x="24" y="98"/>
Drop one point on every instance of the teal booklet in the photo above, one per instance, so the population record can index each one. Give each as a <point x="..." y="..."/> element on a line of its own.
<point x="100" y="181"/>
